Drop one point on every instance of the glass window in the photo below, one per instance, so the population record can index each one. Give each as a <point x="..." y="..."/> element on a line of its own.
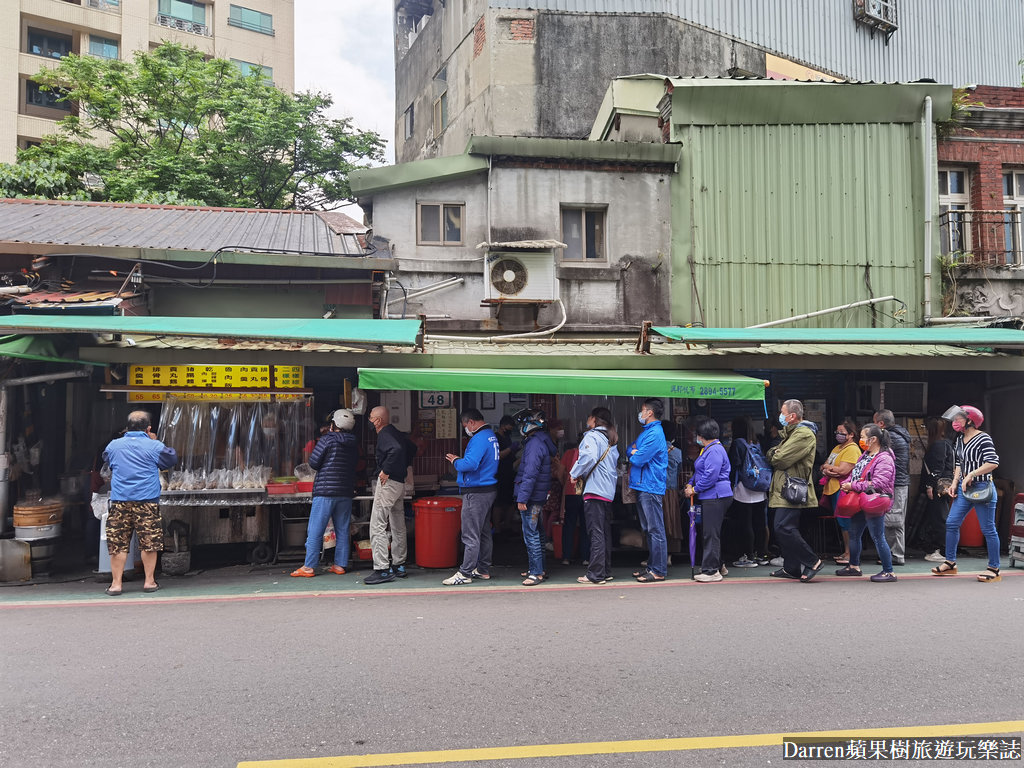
<point x="583" y="234"/>
<point x="103" y="47"/>
<point x="247" y="68"/>
<point x="440" y="223"/>
<point x="50" y="44"/>
<point x="1013" y="206"/>
<point x="189" y="10"/>
<point x="246" y="18"/>
<point x="954" y="211"/>
<point x="40" y="98"/>
<point x="409" y="121"/>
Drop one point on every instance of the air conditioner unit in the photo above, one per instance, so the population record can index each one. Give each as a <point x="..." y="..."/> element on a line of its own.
<point x="878" y="14"/>
<point x="906" y="398"/>
<point x="520" y="276"/>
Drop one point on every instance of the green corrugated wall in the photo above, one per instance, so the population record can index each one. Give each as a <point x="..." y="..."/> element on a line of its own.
<point x="785" y="219"/>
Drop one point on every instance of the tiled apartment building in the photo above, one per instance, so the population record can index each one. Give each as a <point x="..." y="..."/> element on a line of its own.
<point x="37" y="33"/>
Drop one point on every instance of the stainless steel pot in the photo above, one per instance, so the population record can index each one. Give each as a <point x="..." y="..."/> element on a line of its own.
<point x="36" y="532"/>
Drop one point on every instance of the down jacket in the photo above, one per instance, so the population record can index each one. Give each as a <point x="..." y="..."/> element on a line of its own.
<point x="334" y="458"/>
<point x="533" y="481"/>
<point x="900" y="439"/>
<point x="883" y="473"/>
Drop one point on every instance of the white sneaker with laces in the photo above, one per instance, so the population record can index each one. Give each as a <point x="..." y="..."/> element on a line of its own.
<point x="704" y="578"/>
<point x="745" y="562"/>
<point x="777" y="561"/>
<point x="935" y="557"/>
<point x="456" y="579"/>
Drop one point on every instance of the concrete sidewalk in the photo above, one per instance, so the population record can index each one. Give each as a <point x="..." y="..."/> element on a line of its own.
<point x="245" y="582"/>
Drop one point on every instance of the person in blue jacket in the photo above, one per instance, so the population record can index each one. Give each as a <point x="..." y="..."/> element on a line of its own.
<point x="533" y="480"/>
<point x="648" y="476"/>
<point x="478" y="484"/>
<point x="712" y="489"/>
<point x="334" y="458"/>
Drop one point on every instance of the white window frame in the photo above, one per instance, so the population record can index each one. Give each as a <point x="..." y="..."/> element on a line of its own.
<point x="955" y="231"/>
<point x="442" y="206"/>
<point x="1013" y="227"/>
<point x="583" y="209"/>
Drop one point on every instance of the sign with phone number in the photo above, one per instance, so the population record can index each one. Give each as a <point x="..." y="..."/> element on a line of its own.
<point x="689" y="390"/>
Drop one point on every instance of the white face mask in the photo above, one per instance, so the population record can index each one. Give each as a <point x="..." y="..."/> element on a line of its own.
<point x="469" y="432"/>
<point x="560" y="434"/>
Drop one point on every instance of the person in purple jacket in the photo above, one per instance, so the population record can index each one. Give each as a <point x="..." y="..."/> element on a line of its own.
<point x="710" y="487"/>
<point x="874" y="472"/>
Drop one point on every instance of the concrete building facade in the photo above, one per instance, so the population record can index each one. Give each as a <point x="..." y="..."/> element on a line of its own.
<point x="38" y="33"/>
<point x="540" y="68"/>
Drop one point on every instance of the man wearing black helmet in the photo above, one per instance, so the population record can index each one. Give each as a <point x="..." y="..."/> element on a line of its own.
<point x="532" y="484"/>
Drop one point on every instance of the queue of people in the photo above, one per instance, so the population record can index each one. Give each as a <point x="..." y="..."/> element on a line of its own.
<point x="864" y="483"/>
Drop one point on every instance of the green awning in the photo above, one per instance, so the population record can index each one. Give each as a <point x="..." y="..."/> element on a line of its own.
<point x="630" y="383"/>
<point x="943" y="335"/>
<point x="37" y="348"/>
<point x="395" y="332"/>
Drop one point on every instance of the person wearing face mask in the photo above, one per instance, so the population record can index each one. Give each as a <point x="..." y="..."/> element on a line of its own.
<point x="975" y="459"/>
<point x="874" y="472"/>
<point x="710" y="486"/>
<point x="648" y="473"/>
<point x="478" y="485"/>
<point x="531" y="490"/>
<point x="834" y="471"/>
<point x="896" y="518"/>
<point x="793" y="456"/>
<point x="596" y="467"/>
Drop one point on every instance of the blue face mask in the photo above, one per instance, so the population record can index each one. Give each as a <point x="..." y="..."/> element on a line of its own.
<point x="640" y="418"/>
<point x="698" y="441"/>
<point x="782" y="420"/>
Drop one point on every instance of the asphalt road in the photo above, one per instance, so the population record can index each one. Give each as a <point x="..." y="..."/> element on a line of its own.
<point x="213" y="683"/>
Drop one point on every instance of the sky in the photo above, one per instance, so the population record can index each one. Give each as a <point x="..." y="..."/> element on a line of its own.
<point x="345" y="48"/>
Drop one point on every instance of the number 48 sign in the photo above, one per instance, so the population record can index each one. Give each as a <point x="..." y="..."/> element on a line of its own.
<point x="435" y="399"/>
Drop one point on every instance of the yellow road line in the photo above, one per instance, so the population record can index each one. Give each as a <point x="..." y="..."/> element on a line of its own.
<point x="641" y="745"/>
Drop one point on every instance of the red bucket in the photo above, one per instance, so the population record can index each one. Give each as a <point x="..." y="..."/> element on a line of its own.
<point x="438" y="524"/>
<point x="970" y="531"/>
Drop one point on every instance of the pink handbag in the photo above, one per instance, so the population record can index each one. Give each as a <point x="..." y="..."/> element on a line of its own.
<point x="848" y="504"/>
<point x="875" y="504"/>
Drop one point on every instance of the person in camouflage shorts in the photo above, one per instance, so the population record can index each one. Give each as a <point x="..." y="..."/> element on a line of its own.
<point x="140" y="517"/>
<point x="135" y="462"/>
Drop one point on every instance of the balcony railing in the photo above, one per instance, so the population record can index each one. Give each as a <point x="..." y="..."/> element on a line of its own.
<point x="192" y="27"/>
<point x="982" y="238"/>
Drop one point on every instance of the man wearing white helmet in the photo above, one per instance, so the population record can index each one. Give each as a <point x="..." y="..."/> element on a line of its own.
<point x="334" y="459"/>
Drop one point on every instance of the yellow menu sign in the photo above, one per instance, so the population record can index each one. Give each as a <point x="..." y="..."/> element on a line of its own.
<point x="189" y="381"/>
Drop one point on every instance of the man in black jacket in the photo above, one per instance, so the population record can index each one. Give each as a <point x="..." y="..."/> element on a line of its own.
<point x="895" y="518"/>
<point x="334" y="458"/>
<point x="393" y="458"/>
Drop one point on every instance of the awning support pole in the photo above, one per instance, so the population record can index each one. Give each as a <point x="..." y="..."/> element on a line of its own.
<point x="828" y="311"/>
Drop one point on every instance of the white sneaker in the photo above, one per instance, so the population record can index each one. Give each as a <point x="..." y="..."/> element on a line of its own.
<point x="723" y="571"/>
<point x="457" y="578"/>
<point x="777" y="561"/>
<point x="706" y="577"/>
<point x="548" y="546"/>
<point x="935" y="557"/>
<point x="744" y="562"/>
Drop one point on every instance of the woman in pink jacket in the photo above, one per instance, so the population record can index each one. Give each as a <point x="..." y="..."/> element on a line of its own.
<point x="874" y="472"/>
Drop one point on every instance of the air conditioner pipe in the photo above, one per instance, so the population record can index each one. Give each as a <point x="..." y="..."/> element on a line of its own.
<point x="960" y="320"/>
<point x="15" y="290"/>
<point x="926" y="141"/>
<point x="828" y="311"/>
<point x="415" y="293"/>
<point x="508" y="336"/>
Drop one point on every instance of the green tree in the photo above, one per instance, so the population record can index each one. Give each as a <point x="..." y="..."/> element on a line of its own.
<point x="172" y="126"/>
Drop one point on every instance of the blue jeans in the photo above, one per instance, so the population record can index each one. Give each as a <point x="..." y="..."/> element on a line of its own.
<point x="652" y="519"/>
<point x="876" y="526"/>
<point x="986" y="511"/>
<point x="531" y="535"/>
<point x="338" y="509"/>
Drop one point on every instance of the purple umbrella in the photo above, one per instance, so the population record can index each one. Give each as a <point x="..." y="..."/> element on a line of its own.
<point x="694" y="511"/>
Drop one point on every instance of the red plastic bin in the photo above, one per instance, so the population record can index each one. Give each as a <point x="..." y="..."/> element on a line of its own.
<point x="438" y="523"/>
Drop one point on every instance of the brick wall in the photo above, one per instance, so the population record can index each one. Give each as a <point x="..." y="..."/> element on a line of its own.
<point x="479" y="37"/>
<point x="521" y="29"/>
<point x="997" y="97"/>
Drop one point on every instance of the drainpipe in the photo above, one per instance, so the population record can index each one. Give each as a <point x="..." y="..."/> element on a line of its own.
<point x="926" y="141"/>
<point x="828" y="311"/>
<point x="5" y="458"/>
<point x="450" y="282"/>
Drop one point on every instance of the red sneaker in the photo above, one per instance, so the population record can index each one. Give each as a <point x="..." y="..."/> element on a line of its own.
<point x="304" y="571"/>
<point x="337" y="569"/>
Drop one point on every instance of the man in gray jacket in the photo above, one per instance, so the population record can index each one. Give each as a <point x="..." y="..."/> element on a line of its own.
<point x="896" y="518"/>
<point x="596" y="465"/>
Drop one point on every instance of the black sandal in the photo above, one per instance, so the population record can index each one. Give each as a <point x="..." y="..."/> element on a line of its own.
<point x="990" y="574"/>
<point x="945" y="568"/>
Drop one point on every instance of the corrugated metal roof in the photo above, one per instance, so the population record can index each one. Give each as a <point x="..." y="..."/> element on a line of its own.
<point x="165" y="227"/>
<point x="944" y="335"/>
<point x="969" y="41"/>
